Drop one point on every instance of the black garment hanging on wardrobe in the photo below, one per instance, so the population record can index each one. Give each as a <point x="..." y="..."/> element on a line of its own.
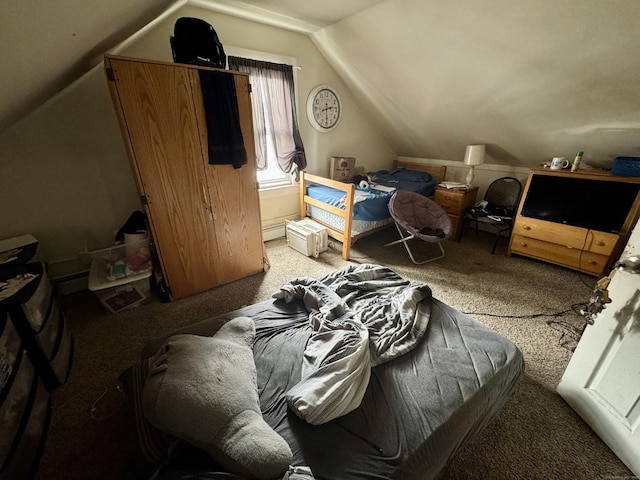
<point x="226" y="145"/>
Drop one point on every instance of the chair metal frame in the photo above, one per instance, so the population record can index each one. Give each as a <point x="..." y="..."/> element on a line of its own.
<point x="410" y="236"/>
<point x="500" y="224"/>
<point x="410" y="232"/>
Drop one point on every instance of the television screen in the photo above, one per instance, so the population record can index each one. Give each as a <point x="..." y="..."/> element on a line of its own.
<point x="595" y="204"/>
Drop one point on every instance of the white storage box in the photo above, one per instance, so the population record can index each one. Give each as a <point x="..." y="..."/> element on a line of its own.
<point x="17" y="250"/>
<point x="120" y="294"/>
<point x="119" y="275"/>
<point x="123" y="260"/>
<point x="307" y="237"/>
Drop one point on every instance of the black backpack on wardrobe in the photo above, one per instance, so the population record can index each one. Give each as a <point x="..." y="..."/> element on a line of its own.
<point x="196" y="42"/>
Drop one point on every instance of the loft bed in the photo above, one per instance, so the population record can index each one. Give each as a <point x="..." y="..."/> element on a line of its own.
<point x="337" y="206"/>
<point x="430" y="381"/>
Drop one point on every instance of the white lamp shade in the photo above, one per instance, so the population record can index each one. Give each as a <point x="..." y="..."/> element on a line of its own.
<point x="474" y="155"/>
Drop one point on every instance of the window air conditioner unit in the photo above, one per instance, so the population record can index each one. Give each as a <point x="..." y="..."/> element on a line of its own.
<point x="307" y="237"/>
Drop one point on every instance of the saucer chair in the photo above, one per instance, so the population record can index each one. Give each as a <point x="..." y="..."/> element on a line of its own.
<point x="419" y="217"/>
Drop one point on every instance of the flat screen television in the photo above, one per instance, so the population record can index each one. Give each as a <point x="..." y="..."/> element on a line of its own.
<point x="595" y="204"/>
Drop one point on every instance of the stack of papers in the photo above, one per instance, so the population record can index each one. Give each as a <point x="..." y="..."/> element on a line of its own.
<point x="452" y="185"/>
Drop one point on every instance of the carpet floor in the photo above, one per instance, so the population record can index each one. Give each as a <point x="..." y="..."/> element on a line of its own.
<point x="535" y="436"/>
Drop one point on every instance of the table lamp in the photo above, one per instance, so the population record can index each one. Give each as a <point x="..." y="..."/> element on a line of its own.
<point x="472" y="157"/>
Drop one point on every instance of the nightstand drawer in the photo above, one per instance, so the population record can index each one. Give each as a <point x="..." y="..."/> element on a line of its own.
<point x="455" y="202"/>
<point x="449" y="201"/>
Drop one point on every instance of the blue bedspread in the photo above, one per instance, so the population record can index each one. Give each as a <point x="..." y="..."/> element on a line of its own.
<point x="374" y="207"/>
<point x="405" y="179"/>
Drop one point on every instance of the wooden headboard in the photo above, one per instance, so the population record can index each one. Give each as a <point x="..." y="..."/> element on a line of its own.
<point x="438" y="172"/>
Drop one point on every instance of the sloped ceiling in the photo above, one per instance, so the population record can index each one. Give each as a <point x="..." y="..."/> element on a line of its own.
<point x="47" y="45"/>
<point x="531" y="79"/>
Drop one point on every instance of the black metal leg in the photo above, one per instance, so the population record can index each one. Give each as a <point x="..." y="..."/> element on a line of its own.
<point x="495" y="242"/>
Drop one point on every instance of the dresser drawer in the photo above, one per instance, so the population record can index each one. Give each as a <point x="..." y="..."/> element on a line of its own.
<point x="560" y="254"/>
<point x="594" y="241"/>
<point x="450" y="202"/>
<point x="602" y="242"/>
<point x="565" y="235"/>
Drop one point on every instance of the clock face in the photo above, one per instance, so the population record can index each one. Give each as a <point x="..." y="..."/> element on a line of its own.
<point x="323" y="108"/>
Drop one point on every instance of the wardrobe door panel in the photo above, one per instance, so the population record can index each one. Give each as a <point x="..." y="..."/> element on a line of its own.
<point x="160" y="119"/>
<point x="234" y="200"/>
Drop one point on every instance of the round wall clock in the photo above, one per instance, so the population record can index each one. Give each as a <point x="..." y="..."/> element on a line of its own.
<point x="324" y="108"/>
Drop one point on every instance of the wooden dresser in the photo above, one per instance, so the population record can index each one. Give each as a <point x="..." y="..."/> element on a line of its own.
<point x="588" y="250"/>
<point x="455" y="202"/>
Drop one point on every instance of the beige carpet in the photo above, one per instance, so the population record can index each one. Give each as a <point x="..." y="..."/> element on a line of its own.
<point x="536" y="435"/>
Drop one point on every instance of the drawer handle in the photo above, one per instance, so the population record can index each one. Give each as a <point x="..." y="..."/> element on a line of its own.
<point x="591" y="262"/>
<point x="600" y="243"/>
<point x="526" y="227"/>
<point x="523" y="244"/>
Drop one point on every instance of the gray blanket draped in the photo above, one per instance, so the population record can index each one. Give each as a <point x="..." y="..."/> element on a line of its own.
<point x="361" y="316"/>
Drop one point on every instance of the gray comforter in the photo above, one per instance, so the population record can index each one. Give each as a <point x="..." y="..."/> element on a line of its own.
<point x="361" y="317"/>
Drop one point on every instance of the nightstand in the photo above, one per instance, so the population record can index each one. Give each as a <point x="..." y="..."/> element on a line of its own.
<point x="455" y="202"/>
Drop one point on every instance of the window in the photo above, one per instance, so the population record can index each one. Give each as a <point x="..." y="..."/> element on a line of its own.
<point x="279" y="149"/>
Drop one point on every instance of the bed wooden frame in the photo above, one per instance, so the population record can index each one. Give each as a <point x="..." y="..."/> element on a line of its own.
<point x="346" y="236"/>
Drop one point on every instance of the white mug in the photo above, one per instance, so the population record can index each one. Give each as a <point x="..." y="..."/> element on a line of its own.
<point x="558" y="163"/>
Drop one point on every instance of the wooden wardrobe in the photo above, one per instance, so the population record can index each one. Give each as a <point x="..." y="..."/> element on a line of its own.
<point x="204" y="219"/>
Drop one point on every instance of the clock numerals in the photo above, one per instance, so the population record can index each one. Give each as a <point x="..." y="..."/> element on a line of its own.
<point x="324" y="108"/>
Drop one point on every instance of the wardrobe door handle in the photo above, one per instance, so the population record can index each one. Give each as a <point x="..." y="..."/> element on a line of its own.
<point x="212" y="217"/>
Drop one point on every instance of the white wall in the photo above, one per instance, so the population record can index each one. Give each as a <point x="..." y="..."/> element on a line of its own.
<point x="483" y="174"/>
<point x="65" y="173"/>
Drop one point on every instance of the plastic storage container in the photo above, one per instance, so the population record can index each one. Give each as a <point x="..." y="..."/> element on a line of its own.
<point x="626" y="167"/>
<point x="17" y="250"/>
<point x="119" y="275"/>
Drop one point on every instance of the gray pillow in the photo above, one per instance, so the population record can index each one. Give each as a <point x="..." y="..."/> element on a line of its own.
<point x="203" y="390"/>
